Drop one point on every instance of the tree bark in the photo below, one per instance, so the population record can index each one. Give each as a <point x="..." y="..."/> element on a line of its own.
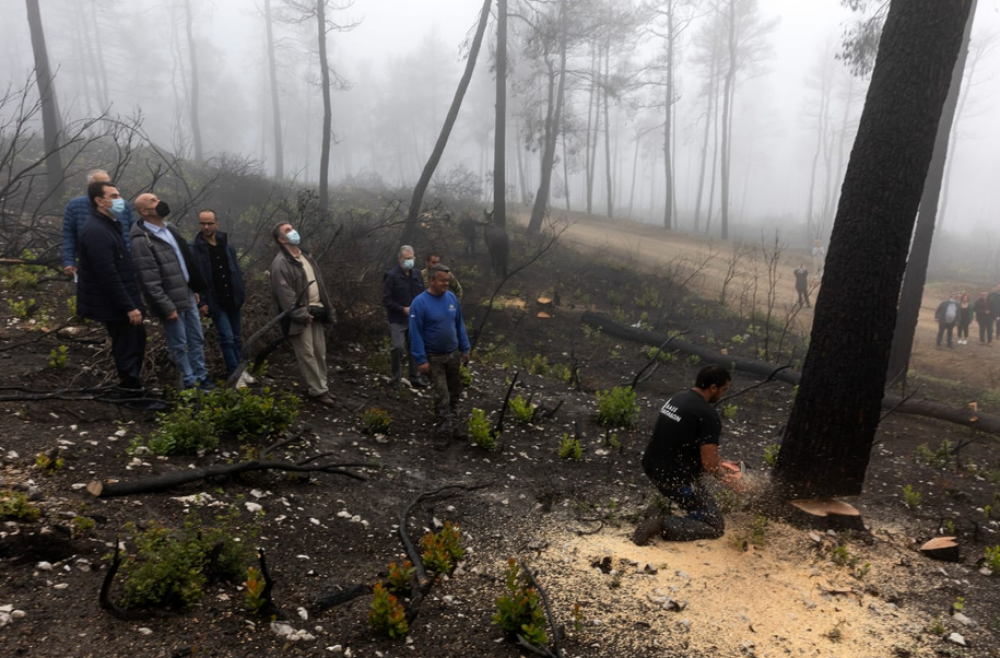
<point x="326" y="137"/>
<point x="417" y="200"/>
<point x="920" y="251"/>
<point x="828" y="439"/>
<point x="607" y="129"/>
<point x="195" y="95"/>
<point x="500" y="131"/>
<point x="727" y="109"/>
<point x="279" y="150"/>
<point x="668" y="174"/>
<point x="709" y="93"/>
<point x="595" y="64"/>
<point x="552" y="124"/>
<point x="51" y="124"/>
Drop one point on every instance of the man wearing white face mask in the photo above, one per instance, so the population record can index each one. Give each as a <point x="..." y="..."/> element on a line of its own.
<point x="305" y="326"/>
<point x="399" y="287"/>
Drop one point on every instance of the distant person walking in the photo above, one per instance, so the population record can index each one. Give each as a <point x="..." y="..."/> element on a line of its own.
<point x="78" y="211"/>
<point x="440" y="346"/>
<point x="819" y="258"/>
<point x="802" y="285"/>
<point x="984" y="318"/>
<point x="946" y="316"/>
<point x="226" y="291"/>
<point x="964" y="318"/>
<point x="994" y="298"/>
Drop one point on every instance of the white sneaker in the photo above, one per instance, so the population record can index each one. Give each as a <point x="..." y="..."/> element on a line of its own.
<point x="245" y="376"/>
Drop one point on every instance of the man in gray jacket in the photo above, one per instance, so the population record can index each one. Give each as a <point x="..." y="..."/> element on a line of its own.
<point x="305" y="326"/>
<point x="171" y="282"/>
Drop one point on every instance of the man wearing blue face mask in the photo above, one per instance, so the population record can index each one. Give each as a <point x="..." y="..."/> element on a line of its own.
<point x="305" y="326"/>
<point x="399" y="286"/>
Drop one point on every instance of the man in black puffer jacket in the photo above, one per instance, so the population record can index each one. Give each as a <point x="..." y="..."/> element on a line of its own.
<point x="172" y="283"/>
<point x="107" y="290"/>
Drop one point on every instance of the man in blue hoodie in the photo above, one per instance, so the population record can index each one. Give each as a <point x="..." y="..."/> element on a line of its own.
<point x="440" y="346"/>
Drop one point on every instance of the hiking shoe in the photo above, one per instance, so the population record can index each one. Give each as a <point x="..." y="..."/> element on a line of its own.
<point x="651" y="526"/>
<point x="326" y="400"/>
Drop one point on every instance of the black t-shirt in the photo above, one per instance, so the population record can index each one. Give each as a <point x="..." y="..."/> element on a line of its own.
<point x="686" y="422"/>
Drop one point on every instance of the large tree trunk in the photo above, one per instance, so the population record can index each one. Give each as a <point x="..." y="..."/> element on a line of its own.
<point x="195" y="94"/>
<point x="102" y="69"/>
<point x="522" y="181"/>
<point x="552" y="124"/>
<point x="920" y="250"/>
<point x="279" y="150"/>
<point x="668" y="174"/>
<point x="608" y="180"/>
<point x="595" y="64"/>
<point x="50" y="107"/>
<point x="828" y="439"/>
<point x="417" y="200"/>
<point x="715" y="161"/>
<point x="565" y="160"/>
<point x="324" y="156"/>
<point x="500" y="131"/>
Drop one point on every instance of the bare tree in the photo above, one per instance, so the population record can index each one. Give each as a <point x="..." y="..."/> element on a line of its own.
<point x="279" y="155"/>
<point x="500" y="131"/>
<point x="195" y="87"/>
<point x="45" y="80"/>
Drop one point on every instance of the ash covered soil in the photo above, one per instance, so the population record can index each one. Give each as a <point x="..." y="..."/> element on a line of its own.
<point x="775" y="585"/>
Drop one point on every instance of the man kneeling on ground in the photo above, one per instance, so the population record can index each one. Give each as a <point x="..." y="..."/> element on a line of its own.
<point x="685" y="448"/>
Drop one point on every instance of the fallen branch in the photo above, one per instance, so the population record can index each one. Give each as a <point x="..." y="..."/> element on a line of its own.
<point x="328" y="601"/>
<point x="104" y="598"/>
<point x="168" y="481"/>
<point x="927" y="408"/>
<point x="267" y="609"/>
<point x="556" y="630"/>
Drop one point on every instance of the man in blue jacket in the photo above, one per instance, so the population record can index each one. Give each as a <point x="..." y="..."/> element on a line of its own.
<point x="225" y="292"/>
<point x="399" y="288"/>
<point x="440" y="346"/>
<point x="107" y="290"/>
<point x="78" y="211"/>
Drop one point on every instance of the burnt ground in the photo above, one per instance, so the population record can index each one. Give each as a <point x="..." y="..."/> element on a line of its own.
<point x="805" y="589"/>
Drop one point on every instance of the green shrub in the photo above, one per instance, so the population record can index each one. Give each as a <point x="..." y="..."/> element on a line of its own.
<point x="57" y="357"/>
<point x="992" y="559"/>
<point x="19" y="278"/>
<point x="911" y="497"/>
<point x="81" y="526"/>
<point x="519" y="610"/>
<point x="71" y="305"/>
<point x="729" y="411"/>
<point x="940" y="458"/>
<point x="171" y="567"/>
<point x="561" y="372"/>
<point x="442" y="550"/>
<point x="375" y="421"/>
<point x="617" y="407"/>
<point x="466" y="373"/>
<point x="524" y="412"/>
<point x="254" y="590"/>
<point x="649" y="298"/>
<point x="399" y="578"/>
<point x="386" y="615"/>
<point x="49" y="464"/>
<point x="182" y="431"/>
<point x="660" y="355"/>
<point x="537" y="365"/>
<point x="570" y="448"/>
<point x="21" y="309"/>
<point x="771" y="453"/>
<point x="481" y="430"/>
<point x="14" y="505"/>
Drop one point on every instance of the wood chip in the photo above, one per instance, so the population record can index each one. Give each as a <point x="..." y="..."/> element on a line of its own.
<point x="826" y="507"/>
<point x="543" y="315"/>
<point x="95" y="488"/>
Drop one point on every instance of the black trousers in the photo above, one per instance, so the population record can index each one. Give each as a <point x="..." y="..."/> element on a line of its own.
<point x="128" y="347"/>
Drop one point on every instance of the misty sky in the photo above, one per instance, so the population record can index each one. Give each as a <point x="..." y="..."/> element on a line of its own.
<point x="774" y="140"/>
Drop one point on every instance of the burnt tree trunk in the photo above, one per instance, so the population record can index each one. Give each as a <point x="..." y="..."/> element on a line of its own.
<point x="47" y="94"/>
<point x="920" y="250"/>
<point x="668" y="174"/>
<point x="828" y="439"/>
<point x="325" y="138"/>
<point x="410" y="228"/>
<point x="500" y="131"/>
<point x="279" y="156"/>
<point x="552" y="126"/>
<point x="193" y="56"/>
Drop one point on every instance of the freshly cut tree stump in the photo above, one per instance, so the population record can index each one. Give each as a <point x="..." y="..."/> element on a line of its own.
<point x="826" y="507"/>
<point x="942" y="548"/>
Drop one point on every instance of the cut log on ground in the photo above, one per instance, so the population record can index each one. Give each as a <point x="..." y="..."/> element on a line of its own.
<point x="928" y="408"/>
<point x="942" y="548"/>
<point x="826" y="507"/>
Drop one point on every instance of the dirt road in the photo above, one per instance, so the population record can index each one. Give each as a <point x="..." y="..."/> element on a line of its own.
<point x="654" y="248"/>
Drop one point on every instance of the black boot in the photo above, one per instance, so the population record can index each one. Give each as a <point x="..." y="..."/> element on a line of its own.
<point x="683" y="528"/>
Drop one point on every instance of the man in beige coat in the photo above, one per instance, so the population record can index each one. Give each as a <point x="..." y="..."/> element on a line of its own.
<point x="306" y="325"/>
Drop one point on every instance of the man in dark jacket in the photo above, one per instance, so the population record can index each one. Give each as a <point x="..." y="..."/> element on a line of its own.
<point x="994" y="299"/>
<point x="78" y="211"/>
<point x="172" y="283"/>
<point x="400" y="286"/>
<point x="107" y="290"/>
<point x="984" y="318"/>
<point x="225" y="292"/>
<point x="802" y="285"/>
<point x="683" y="449"/>
<point x="946" y="316"/>
<point x="311" y="313"/>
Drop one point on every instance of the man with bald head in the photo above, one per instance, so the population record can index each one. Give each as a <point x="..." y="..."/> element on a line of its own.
<point x="78" y="211"/>
<point x="172" y="284"/>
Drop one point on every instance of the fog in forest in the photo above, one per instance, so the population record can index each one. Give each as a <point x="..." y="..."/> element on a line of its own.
<point x="395" y="65"/>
